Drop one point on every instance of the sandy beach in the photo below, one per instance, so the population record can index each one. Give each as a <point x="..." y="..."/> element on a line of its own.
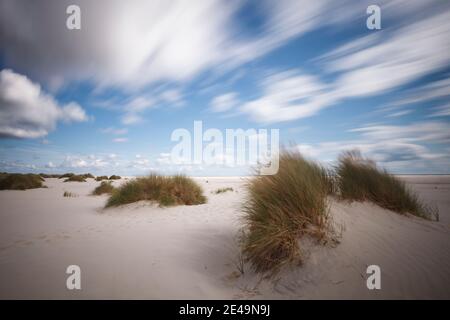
<point x="141" y="251"/>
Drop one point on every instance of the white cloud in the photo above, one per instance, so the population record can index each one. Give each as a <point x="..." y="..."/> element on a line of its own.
<point x="144" y="41"/>
<point x="172" y="96"/>
<point x="141" y="164"/>
<point x="131" y="43"/>
<point x="139" y="104"/>
<point x="120" y="140"/>
<point x="400" y="113"/>
<point x="134" y="109"/>
<point x="429" y="92"/>
<point x="367" y="66"/>
<point x="410" y="52"/>
<point x="434" y="131"/>
<point x="84" y="162"/>
<point x="441" y="111"/>
<point x="131" y="118"/>
<point x="224" y="102"/>
<point x="115" y="131"/>
<point x="50" y="165"/>
<point x="74" y="162"/>
<point x="28" y="112"/>
<point x="400" y="148"/>
<point x="287" y="96"/>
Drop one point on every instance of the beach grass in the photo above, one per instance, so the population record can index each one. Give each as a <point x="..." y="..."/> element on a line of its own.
<point x="280" y="209"/>
<point x="76" y="178"/>
<point x="166" y="190"/>
<point x="49" y="175"/>
<point x="17" y="181"/>
<point x="223" y="190"/>
<point x="66" y="175"/>
<point x="104" y="187"/>
<point x="359" y="179"/>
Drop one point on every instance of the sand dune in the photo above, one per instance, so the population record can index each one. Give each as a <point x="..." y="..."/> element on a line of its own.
<point x="191" y="252"/>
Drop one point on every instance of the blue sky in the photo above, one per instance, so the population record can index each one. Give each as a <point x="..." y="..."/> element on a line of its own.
<point x="105" y="99"/>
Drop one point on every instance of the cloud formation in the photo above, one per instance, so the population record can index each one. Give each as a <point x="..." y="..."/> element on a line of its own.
<point x="28" y="112"/>
<point x="128" y="43"/>
<point x="398" y="147"/>
<point x="138" y="42"/>
<point x="224" y="102"/>
<point x="367" y="66"/>
<point x="288" y="95"/>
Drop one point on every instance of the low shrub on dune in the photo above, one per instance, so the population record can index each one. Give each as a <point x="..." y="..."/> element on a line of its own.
<point x="88" y="175"/>
<point x="360" y="179"/>
<point x="104" y="187"/>
<point x="100" y="178"/>
<point x="281" y="208"/>
<point x="66" y="175"/>
<point x="68" y="194"/>
<point x="49" y="175"/>
<point x="114" y="177"/>
<point x="76" y="178"/>
<point x="17" y="181"/>
<point x="166" y="190"/>
<point x="223" y="190"/>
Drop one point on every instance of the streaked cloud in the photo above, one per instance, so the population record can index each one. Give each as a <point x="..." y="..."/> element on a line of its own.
<point x="287" y="96"/>
<point x="402" y="148"/>
<point x="224" y="102"/>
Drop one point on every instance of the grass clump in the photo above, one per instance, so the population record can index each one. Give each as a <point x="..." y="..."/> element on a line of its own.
<point x="114" y="177"/>
<point x="66" y="175"/>
<point x="76" y="178"/>
<point x="166" y="190"/>
<point x="17" y="181"/>
<point x="359" y="179"/>
<point x="49" y="175"/>
<point x="223" y="190"/>
<point x="68" y="194"/>
<point x="100" y="178"/>
<point x="282" y="208"/>
<point x="104" y="187"/>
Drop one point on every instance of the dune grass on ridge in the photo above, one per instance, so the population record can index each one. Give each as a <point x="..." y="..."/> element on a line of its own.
<point x="223" y="190"/>
<point x="104" y="187"/>
<point x="281" y="208"/>
<point x="66" y="175"/>
<point x="49" y="175"/>
<point x="18" y="181"/>
<point x="360" y="179"/>
<point x="76" y="178"/>
<point x="166" y="190"/>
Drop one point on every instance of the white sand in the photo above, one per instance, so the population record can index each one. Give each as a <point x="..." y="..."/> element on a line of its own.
<point x="145" y="252"/>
